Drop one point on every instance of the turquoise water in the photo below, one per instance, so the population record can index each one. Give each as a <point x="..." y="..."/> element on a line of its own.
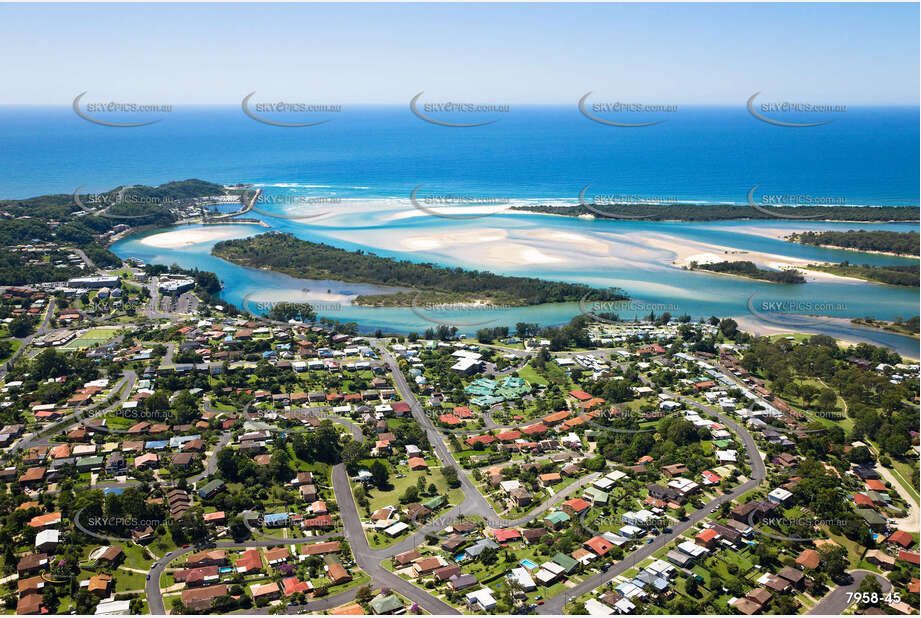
<point x="538" y="154"/>
<point x="645" y="273"/>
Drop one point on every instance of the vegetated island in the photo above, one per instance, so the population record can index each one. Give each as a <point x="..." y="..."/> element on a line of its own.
<point x="880" y="241"/>
<point x="908" y="327"/>
<point x="748" y="269"/>
<point x="906" y="275"/>
<point x="429" y="283"/>
<point x="724" y="212"/>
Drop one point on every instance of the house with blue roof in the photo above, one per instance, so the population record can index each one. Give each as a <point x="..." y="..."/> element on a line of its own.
<point x="477" y="548"/>
<point x="275" y="520"/>
<point x="155" y="445"/>
<point x="178" y="441"/>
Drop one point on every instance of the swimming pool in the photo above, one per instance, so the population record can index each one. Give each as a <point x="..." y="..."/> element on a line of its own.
<point x="528" y="564"/>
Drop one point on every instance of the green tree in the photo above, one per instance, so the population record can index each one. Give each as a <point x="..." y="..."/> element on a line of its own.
<point x="379" y="473"/>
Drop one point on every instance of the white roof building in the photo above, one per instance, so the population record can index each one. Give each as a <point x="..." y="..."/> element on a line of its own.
<point x="604" y="484"/>
<point x="482" y="597"/>
<point x="623" y="606"/>
<point x="523" y="578"/>
<point x="47" y="536"/>
<point x="465" y="364"/>
<point x="595" y="607"/>
<point x="779" y="495"/>
<point x="685" y="486"/>
<point x="113" y="608"/>
<point x="692" y="549"/>
<point x="396" y="529"/>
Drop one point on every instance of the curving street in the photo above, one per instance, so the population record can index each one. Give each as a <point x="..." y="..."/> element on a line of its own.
<point x="474" y="503"/>
<point x="836" y="601"/>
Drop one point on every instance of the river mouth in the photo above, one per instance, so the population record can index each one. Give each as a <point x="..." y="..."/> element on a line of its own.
<point x="642" y="258"/>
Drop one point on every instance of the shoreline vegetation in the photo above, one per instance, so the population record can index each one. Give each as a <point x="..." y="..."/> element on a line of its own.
<point x="726" y="212"/>
<point x="909" y="327"/>
<point x="428" y="282"/>
<point x="867" y="241"/>
<point x="750" y="271"/>
<point x="88" y="222"/>
<point x="906" y="276"/>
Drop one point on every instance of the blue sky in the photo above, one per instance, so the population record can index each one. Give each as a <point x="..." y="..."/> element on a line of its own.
<point x="854" y="54"/>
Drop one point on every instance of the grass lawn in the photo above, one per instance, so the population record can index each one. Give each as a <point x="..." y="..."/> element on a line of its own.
<point x="15" y="344"/>
<point x="129" y="580"/>
<point x="378" y="498"/>
<point x="92" y="337"/>
<point x="320" y="470"/>
<point x="905" y="475"/>
<point x="530" y="374"/>
<point x="378" y="540"/>
<point x="360" y="578"/>
<point x="854" y="550"/>
<point x="135" y="557"/>
<point x="163" y="544"/>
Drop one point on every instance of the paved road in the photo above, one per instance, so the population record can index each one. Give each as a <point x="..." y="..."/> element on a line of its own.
<point x="154" y="595"/>
<point x="86" y="259"/>
<point x="127" y="381"/>
<point x="474" y="501"/>
<point x="836" y="601"/>
<point x="367" y="559"/>
<point x="153" y="310"/>
<point x="25" y="341"/>
<point x="474" y="504"/>
<point x="556" y="604"/>
<point x="152" y="587"/>
<point x="211" y="461"/>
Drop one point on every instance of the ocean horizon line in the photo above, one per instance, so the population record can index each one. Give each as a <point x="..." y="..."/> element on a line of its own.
<point x="68" y="106"/>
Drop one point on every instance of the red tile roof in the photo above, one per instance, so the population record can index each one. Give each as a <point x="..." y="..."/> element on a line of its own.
<point x="416" y="462"/>
<point x="809" y="558"/>
<point x="862" y="500"/>
<point x="534" y="429"/>
<point x="484" y="439"/>
<point x="706" y="535"/>
<point x="251" y="561"/>
<point x="598" y="545"/>
<point x="908" y="556"/>
<point x="556" y="417"/>
<point x="504" y="535"/>
<point x="902" y="538"/>
<point x="577" y="504"/>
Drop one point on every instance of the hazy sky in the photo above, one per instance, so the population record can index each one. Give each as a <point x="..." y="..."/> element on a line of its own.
<point x="513" y="53"/>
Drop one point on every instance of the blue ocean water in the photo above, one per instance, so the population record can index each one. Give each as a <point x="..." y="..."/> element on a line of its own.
<point x="866" y="155"/>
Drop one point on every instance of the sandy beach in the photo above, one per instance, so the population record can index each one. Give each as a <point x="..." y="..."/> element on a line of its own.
<point x="193" y="236"/>
<point x="495" y="247"/>
<point x="759" y="328"/>
<point x="703" y="253"/>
